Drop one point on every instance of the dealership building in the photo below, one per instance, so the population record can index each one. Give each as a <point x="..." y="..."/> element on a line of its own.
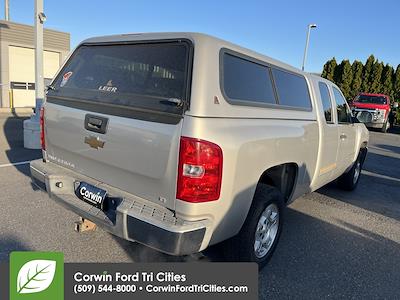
<point x="17" y="61"/>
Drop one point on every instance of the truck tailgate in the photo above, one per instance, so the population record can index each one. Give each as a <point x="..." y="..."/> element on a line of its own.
<point x="138" y="157"/>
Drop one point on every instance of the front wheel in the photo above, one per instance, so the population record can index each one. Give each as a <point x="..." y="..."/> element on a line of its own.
<point x="260" y="232"/>
<point x="349" y="180"/>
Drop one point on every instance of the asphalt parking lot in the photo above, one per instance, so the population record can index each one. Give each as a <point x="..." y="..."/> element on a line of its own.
<point x="335" y="244"/>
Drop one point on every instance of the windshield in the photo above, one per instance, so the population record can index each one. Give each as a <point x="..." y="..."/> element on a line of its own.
<point x="144" y="75"/>
<point x="371" y="99"/>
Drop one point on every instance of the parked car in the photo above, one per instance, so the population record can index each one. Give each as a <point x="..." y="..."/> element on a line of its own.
<point x="180" y="141"/>
<point x="373" y="110"/>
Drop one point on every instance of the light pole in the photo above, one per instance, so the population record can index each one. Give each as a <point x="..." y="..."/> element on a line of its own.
<point x="32" y="126"/>
<point x="40" y="18"/>
<point x="6" y="10"/>
<point x="309" y="27"/>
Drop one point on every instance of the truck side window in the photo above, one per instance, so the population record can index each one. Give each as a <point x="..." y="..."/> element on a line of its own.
<point x="292" y="89"/>
<point x="245" y="80"/>
<point x="343" y="112"/>
<point x="326" y="101"/>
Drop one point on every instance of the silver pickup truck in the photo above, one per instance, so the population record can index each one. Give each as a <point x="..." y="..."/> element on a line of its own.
<point x="181" y="140"/>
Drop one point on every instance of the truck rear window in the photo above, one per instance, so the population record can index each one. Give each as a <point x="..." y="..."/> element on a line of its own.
<point x="149" y="76"/>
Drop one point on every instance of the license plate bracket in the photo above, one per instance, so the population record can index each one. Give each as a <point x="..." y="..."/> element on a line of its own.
<point x="91" y="194"/>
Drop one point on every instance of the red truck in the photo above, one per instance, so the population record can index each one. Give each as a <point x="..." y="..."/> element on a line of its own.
<point x="372" y="110"/>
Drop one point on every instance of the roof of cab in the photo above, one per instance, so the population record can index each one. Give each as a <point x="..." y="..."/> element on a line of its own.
<point x="194" y="37"/>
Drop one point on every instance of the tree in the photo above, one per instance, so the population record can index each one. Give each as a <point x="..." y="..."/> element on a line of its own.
<point x="367" y="74"/>
<point x="328" y="71"/>
<point x="345" y="77"/>
<point x="373" y="77"/>
<point x="387" y="81"/>
<point x="396" y="84"/>
<point x="337" y="76"/>
<point x="376" y="77"/>
<point x="357" y="68"/>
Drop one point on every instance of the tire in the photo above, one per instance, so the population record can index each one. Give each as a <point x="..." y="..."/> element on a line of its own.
<point x="385" y="127"/>
<point x="242" y="247"/>
<point x="349" y="180"/>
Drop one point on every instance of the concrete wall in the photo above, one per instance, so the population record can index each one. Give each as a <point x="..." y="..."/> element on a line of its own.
<point x="14" y="34"/>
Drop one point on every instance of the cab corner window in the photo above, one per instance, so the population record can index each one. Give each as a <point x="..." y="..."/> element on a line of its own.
<point x="292" y="89"/>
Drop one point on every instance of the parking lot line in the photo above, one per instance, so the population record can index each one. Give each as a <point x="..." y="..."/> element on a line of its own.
<point x="15" y="164"/>
<point x="380" y="176"/>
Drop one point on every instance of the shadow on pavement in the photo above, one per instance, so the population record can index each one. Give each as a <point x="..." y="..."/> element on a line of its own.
<point x="382" y="199"/>
<point x="390" y="148"/>
<point x="395" y="129"/>
<point x="383" y="165"/>
<point x="314" y="259"/>
<point x="379" y="188"/>
<point x="317" y="260"/>
<point x="141" y="253"/>
<point x="14" y="139"/>
<point x="8" y="244"/>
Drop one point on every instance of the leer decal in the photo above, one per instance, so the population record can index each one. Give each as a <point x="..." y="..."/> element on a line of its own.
<point x="108" y="87"/>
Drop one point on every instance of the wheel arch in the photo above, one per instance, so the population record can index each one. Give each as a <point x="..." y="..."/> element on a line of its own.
<point x="284" y="177"/>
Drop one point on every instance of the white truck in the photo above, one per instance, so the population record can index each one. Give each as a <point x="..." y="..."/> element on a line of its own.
<point x="181" y="140"/>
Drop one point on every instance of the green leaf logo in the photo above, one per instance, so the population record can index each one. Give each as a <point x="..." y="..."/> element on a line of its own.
<point x="35" y="276"/>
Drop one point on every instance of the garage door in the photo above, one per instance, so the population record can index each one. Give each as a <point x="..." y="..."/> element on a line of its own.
<point x="22" y="73"/>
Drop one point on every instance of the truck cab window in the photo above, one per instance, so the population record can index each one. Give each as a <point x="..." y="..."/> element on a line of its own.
<point x="326" y="101"/>
<point x="343" y="111"/>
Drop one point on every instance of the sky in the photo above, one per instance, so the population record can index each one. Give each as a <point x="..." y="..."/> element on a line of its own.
<point x="347" y="29"/>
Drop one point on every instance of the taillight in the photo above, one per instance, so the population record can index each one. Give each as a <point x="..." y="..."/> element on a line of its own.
<point x="199" y="171"/>
<point x="42" y="139"/>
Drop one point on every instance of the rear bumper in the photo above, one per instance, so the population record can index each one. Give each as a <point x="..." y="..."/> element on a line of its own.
<point x="126" y="216"/>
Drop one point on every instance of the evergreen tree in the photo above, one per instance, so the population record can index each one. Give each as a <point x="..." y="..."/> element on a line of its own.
<point x="373" y="77"/>
<point x="387" y="81"/>
<point x="344" y="78"/>
<point x="329" y="69"/>
<point x="396" y="84"/>
<point x="367" y="72"/>
<point x="376" y="76"/>
<point x="337" y="76"/>
<point x="357" y="68"/>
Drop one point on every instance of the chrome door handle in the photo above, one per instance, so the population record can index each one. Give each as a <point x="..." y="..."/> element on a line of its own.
<point x="343" y="136"/>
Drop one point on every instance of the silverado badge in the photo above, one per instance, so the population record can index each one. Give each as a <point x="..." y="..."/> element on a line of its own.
<point x="94" y="142"/>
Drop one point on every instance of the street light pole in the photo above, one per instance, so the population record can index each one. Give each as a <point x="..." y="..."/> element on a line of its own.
<point x="39" y="80"/>
<point x="32" y="126"/>
<point x="6" y="10"/>
<point x="309" y="27"/>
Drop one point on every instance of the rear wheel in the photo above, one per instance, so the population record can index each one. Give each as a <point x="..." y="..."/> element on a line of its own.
<point x="260" y="233"/>
<point x="349" y="180"/>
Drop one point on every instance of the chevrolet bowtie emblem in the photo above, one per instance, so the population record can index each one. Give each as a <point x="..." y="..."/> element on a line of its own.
<point x="94" y="142"/>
